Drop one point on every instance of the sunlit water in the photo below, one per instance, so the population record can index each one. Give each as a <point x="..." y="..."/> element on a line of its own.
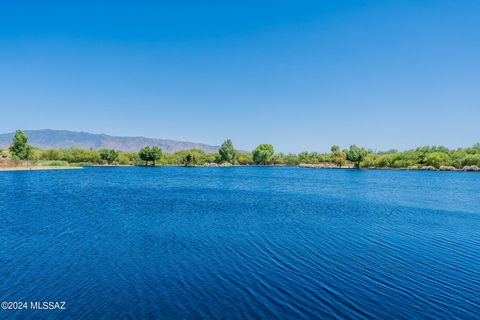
<point x="241" y="243"/>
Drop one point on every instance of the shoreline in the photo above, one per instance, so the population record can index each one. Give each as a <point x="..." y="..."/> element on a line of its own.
<point x="37" y="168"/>
<point x="301" y="166"/>
<point x="316" y="166"/>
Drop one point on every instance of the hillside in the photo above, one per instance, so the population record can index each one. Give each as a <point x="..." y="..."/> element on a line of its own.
<point x="66" y="139"/>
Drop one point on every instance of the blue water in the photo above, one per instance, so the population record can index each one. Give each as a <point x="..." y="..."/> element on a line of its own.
<point x="241" y="243"/>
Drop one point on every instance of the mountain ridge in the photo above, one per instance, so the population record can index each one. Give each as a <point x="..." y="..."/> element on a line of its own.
<point x="62" y="139"/>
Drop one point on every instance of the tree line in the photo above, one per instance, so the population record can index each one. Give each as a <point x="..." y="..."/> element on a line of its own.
<point x="264" y="154"/>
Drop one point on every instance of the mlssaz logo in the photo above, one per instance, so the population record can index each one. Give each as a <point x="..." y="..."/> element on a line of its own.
<point x="47" y="305"/>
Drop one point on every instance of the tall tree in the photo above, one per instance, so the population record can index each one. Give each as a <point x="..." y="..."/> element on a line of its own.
<point x="338" y="157"/>
<point x="227" y="152"/>
<point x="155" y="154"/>
<point x="356" y="155"/>
<point x="189" y="159"/>
<point x="113" y="155"/>
<point x="150" y="154"/>
<point x="19" y="148"/>
<point x="109" y="155"/>
<point x="144" y="154"/>
<point x="263" y="154"/>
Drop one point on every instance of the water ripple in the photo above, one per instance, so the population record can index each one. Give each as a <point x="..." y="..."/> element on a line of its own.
<point x="241" y="243"/>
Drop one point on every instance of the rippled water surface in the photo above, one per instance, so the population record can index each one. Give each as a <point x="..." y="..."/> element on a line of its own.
<point x="241" y="243"/>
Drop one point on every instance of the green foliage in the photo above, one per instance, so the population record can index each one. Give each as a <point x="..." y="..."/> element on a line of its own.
<point x="356" y="155"/>
<point x="109" y="155"/>
<point x="82" y="164"/>
<point x="370" y="161"/>
<point x="82" y="155"/>
<point x="20" y="149"/>
<point x="308" y="157"/>
<point x="190" y="159"/>
<point x="152" y="154"/>
<point x="471" y="160"/>
<point x="244" y="158"/>
<point x="338" y="157"/>
<point x="155" y="154"/>
<point x="435" y="156"/>
<point x="457" y="157"/>
<point x="437" y="159"/>
<point x="227" y="152"/>
<point x="289" y="159"/>
<point x="213" y="157"/>
<point x="423" y="152"/>
<point x="52" y="154"/>
<point x="126" y="158"/>
<point x="263" y="154"/>
<point x="385" y="160"/>
<point x="144" y="154"/>
<point x="52" y="163"/>
<point x="197" y="156"/>
<point x="401" y="160"/>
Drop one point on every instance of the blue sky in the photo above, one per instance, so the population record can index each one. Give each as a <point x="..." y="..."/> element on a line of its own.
<point x="302" y="75"/>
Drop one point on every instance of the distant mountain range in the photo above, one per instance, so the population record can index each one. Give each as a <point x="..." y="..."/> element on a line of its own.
<point x="67" y="139"/>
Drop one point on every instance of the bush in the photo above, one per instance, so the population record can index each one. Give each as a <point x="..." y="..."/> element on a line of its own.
<point x="52" y="163"/>
<point x="244" y="158"/>
<point x="437" y="159"/>
<point x="471" y="160"/>
<point x="385" y="160"/>
<point x="263" y="154"/>
<point x="81" y="164"/>
<point x="404" y="163"/>
<point x="370" y="160"/>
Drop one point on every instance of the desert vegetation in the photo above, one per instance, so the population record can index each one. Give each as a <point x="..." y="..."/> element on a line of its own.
<point x="426" y="157"/>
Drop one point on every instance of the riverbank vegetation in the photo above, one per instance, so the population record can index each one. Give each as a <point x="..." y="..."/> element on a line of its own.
<point x="428" y="157"/>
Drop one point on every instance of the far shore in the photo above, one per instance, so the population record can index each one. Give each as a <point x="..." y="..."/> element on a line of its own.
<point x="30" y="168"/>
<point x="211" y="165"/>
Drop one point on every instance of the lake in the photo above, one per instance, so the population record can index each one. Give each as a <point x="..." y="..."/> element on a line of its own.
<point x="241" y="243"/>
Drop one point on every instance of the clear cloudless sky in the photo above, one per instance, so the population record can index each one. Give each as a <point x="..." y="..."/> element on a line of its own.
<point x="302" y="75"/>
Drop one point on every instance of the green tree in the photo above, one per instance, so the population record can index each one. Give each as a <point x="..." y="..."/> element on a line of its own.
<point x="263" y="154"/>
<point x="308" y="157"/>
<point x="212" y="157"/>
<point x="144" y="154"/>
<point x="370" y="161"/>
<point x="125" y="158"/>
<point x="150" y="154"/>
<point x="109" y="155"/>
<point x="356" y="155"/>
<point x="457" y="157"/>
<point x="19" y="148"/>
<point x="189" y="159"/>
<point x="244" y="158"/>
<point x="227" y="152"/>
<point x="52" y="154"/>
<point x="338" y="157"/>
<point x="286" y="159"/>
<point x="422" y="153"/>
<point x="113" y="155"/>
<point x="385" y="160"/>
<point x="104" y="154"/>
<point x="471" y="160"/>
<point x="155" y="154"/>
<point x="437" y="159"/>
